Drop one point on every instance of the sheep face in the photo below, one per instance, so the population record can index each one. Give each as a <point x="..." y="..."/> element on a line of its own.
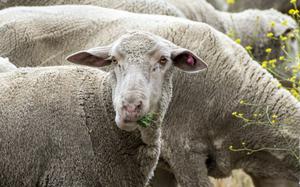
<point x="142" y="65"/>
<point x="272" y="29"/>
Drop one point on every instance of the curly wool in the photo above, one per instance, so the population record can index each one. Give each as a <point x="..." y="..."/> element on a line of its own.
<point x="251" y="30"/>
<point x="58" y="129"/>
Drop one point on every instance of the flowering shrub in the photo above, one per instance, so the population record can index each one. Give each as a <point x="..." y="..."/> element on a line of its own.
<point x="286" y="68"/>
<point x="262" y="116"/>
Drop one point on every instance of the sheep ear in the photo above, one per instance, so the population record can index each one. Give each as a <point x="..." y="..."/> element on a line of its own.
<point x="187" y="61"/>
<point x="96" y="57"/>
<point x="282" y="31"/>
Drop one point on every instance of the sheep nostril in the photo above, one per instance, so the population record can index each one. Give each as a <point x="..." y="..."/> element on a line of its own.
<point x="133" y="108"/>
<point x="139" y="105"/>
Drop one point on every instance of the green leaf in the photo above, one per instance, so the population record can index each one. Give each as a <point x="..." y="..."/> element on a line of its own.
<point x="146" y="120"/>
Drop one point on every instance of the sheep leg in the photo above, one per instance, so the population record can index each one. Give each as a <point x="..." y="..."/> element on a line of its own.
<point x="163" y="177"/>
<point x="191" y="171"/>
<point x="268" y="182"/>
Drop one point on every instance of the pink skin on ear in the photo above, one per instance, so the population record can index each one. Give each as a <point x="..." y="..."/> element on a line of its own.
<point x="190" y="60"/>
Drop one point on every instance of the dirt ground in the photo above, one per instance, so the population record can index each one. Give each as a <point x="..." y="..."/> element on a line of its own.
<point x="238" y="179"/>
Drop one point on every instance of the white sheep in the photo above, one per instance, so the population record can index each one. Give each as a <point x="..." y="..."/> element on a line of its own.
<point x="139" y="6"/>
<point x="57" y="123"/>
<point x="199" y="127"/>
<point x="6" y="65"/>
<point x="251" y="26"/>
<point x="241" y="5"/>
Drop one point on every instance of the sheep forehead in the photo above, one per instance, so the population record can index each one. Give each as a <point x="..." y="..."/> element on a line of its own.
<point x="138" y="44"/>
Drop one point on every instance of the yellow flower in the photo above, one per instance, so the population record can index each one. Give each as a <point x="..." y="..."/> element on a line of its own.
<point x="242" y="101"/>
<point x="248" y="48"/>
<point x="279" y="85"/>
<point x="230" y="2"/>
<point x="234" y="113"/>
<point x="292" y="79"/>
<point x="238" y="41"/>
<point x="273" y="121"/>
<point x="274" y="116"/>
<point x="296" y="12"/>
<point x="272" y="23"/>
<point x="281" y="58"/>
<point x="272" y="62"/>
<point x="291" y="11"/>
<point x="270" y="35"/>
<point x="231" y="34"/>
<point x="293" y="1"/>
<point x="268" y="50"/>
<point x="283" y="38"/>
<point x="231" y="147"/>
<point x="294" y="71"/>
<point x="264" y="64"/>
<point x="255" y="115"/>
<point x="295" y="93"/>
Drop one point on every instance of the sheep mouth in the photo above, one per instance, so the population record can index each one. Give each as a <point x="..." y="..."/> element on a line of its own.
<point x="130" y="124"/>
<point x="130" y="121"/>
<point x="126" y="124"/>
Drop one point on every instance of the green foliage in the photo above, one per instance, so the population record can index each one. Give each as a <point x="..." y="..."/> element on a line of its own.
<point x="147" y="120"/>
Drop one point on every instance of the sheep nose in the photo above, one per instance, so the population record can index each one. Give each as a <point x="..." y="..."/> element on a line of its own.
<point x="133" y="107"/>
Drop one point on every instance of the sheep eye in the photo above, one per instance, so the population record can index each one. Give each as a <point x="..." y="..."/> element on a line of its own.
<point x="114" y="60"/>
<point x="163" y="60"/>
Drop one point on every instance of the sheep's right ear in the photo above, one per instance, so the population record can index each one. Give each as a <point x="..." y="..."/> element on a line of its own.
<point x="187" y="61"/>
<point x="96" y="57"/>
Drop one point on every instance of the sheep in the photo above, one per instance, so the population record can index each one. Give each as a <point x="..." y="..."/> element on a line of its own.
<point x="219" y="4"/>
<point x="251" y="26"/>
<point x="57" y="123"/>
<point x="195" y="143"/>
<point x="6" y="65"/>
<point x="139" y="6"/>
<point x="280" y="5"/>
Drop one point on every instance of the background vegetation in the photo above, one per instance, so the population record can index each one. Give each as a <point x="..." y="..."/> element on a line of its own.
<point x="287" y="70"/>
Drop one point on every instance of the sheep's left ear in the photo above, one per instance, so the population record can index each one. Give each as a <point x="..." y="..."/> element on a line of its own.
<point x="96" y="57"/>
<point x="187" y="61"/>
